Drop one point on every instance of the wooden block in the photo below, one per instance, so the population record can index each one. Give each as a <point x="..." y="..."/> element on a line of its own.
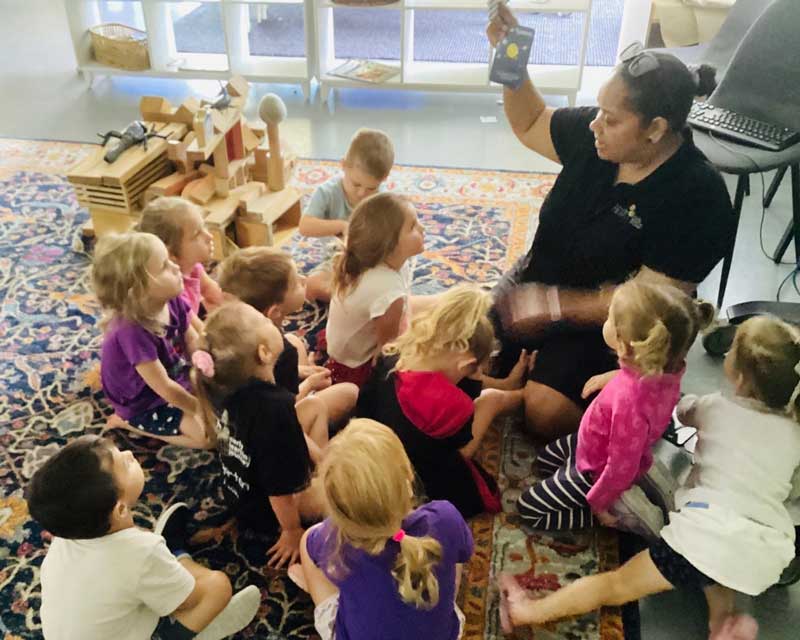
<point x="249" y="139"/>
<point x="221" y="165"/>
<point x="252" y="232"/>
<point x="275" y="172"/>
<point x="200" y="190"/>
<point x="186" y="111"/>
<point x="171" y="185"/>
<point x="155" y="109"/>
<point x="235" y="142"/>
<point x="222" y="187"/>
<point x="275" y="204"/>
<point x="106" y="221"/>
<point x="176" y="152"/>
<point x="238" y="87"/>
<point x="220" y="211"/>
<point x="259" y="129"/>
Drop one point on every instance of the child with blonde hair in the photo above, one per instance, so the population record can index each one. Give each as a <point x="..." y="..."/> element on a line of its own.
<point x="365" y="167"/>
<point x="267" y="441"/>
<point x="180" y="226"/>
<point x="424" y="389"/>
<point x="371" y="284"/>
<point x="147" y="340"/>
<point x="731" y="530"/>
<point x="267" y="279"/>
<point x="377" y="567"/>
<point x="651" y="327"/>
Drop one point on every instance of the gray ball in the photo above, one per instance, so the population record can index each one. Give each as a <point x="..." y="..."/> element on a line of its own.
<point x="271" y="109"/>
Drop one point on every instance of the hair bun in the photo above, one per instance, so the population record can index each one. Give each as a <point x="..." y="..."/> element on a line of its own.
<point x="705" y="79"/>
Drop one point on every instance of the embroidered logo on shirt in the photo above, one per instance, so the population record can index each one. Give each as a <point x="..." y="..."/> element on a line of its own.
<point x="628" y="214"/>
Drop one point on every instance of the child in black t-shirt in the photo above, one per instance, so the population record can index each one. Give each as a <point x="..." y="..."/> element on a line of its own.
<point x="267" y="442"/>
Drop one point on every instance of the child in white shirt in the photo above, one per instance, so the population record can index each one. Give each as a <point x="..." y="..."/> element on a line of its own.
<point x="105" y="578"/>
<point x="371" y="284"/>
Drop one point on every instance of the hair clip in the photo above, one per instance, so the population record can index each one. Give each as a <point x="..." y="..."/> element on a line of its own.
<point x="398" y="537"/>
<point x="204" y="363"/>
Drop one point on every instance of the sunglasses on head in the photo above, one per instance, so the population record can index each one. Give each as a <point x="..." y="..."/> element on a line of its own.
<point x="637" y="60"/>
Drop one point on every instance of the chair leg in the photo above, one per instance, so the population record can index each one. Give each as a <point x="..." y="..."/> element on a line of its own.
<point x="792" y="230"/>
<point x="773" y="186"/>
<point x="747" y="185"/>
<point x="741" y="187"/>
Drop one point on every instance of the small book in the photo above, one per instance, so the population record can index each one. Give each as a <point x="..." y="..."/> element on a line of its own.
<point x="511" y="57"/>
<point x="365" y="71"/>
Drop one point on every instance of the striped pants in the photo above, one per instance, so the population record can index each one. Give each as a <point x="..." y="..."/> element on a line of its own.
<point x="559" y="500"/>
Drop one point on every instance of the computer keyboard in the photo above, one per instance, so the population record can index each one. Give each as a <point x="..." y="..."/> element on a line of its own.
<point x="740" y="128"/>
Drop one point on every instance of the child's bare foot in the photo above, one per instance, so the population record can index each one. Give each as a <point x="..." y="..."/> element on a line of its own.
<point x="113" y="422"/>
<point x="518" y="376"/>
<point x="512" y="600"/>
<point x="736" y="627"/>
<point x="296" y="575"/>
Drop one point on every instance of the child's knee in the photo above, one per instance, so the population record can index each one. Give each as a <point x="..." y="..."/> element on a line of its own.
<point x="216" y="588"/>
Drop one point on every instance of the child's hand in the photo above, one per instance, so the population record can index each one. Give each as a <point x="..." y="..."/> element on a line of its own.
<point x="596" y="383"/>
<point x="320" y="379"/>
<point x="606" y="519"/>
<point x="286" y="550"/>
<point x="518" y="376"/>
<point x="307" y="370"/>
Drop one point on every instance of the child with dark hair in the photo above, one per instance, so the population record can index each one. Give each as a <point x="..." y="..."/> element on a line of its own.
<point x="103" y="577"/>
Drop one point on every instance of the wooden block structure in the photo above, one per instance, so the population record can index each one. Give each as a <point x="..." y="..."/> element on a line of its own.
<point x="226" y="172"/>
<point x="114" y="193"/>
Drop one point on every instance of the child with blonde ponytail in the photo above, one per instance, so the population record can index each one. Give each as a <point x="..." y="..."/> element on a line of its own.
<point x="731" y="530"/>
<point x="374" y="546"/>
<point x="592" y="473"/>
<point x="425" y="388"/>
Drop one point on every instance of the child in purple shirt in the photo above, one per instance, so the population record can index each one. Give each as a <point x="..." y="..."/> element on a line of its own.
<point x="147" y="342"/>
<point x="377" y="567"/>
<point x="651" y="327"/>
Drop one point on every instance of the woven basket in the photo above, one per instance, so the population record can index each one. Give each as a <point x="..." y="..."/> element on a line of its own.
<point x="121" y="46"/>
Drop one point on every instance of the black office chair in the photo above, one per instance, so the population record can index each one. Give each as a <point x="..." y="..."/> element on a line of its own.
<point x="762" y="81"/>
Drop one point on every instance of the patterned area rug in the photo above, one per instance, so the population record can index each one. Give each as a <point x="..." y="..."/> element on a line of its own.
<point x="476" y="223"/>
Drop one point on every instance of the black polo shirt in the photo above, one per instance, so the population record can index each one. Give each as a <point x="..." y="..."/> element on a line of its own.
<point x="677" y="221"/>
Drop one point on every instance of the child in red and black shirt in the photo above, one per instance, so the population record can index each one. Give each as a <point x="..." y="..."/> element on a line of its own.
<point x="426" y="388"/>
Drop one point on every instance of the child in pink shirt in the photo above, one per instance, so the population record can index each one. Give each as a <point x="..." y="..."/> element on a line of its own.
<point x="180" y="226"/>
<point x="651" y="327"/>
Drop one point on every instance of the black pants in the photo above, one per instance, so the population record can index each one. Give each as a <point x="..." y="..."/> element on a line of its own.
<point x="567" y="356"/>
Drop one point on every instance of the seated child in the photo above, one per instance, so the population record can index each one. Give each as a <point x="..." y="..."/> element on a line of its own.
<point x="365" y="167"/>
<point x="651" y="327"/>
<point x="266" y="437"/>
<point x="103" y="577"/>
<point x="147" y="340"/>
<point x="422" y="390"/>
<point x="377" y="567"/>
<point x="180" y="226"/>
<point x="371" y="284"/>
<point x="267" y="279"/>
<point x="731" y="530"/>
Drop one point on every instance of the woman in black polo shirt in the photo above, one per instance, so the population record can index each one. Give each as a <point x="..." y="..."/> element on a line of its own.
<point x="635" y="198"/>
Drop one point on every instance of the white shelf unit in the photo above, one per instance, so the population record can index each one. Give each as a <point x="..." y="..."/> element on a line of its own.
<point x="167" y="62"/>
<point x="450" y="76"/>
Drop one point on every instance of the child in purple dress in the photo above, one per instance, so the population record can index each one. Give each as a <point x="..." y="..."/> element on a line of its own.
<point x="148" y="340"/>
<point x="377" y="567"/>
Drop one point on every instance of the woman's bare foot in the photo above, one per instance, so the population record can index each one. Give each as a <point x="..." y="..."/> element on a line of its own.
<point x="736" y="627"/>
<point x="512" y="600"/>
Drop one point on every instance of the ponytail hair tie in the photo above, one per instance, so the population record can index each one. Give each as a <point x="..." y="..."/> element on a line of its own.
<point x="204" y="363"/>
<point x="398" y="537"/>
